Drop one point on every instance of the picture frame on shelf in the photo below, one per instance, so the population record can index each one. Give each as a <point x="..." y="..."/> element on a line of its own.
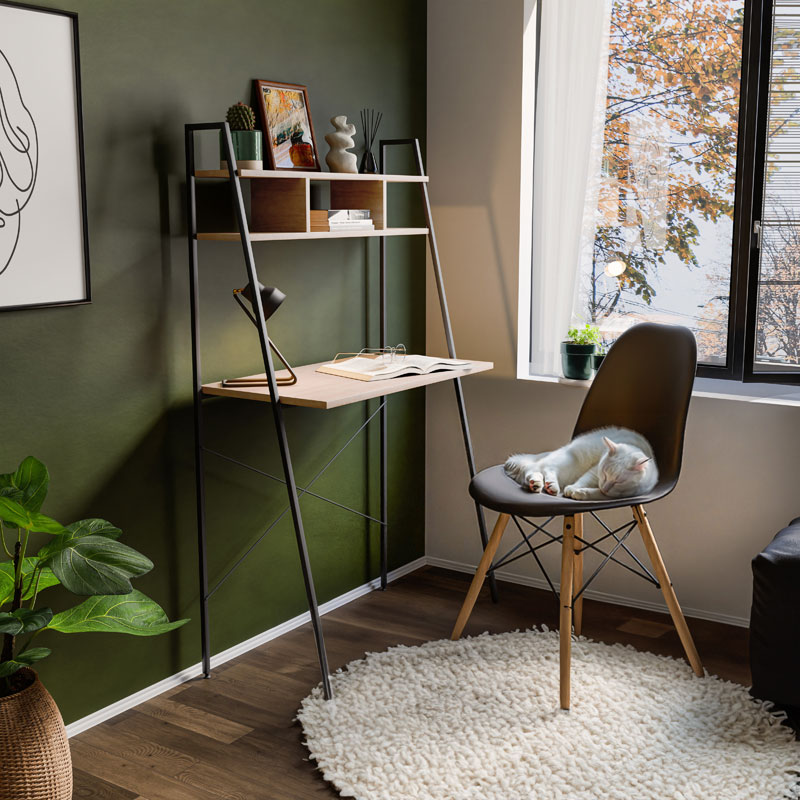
<point x="44" y="242"/>
<point x="288" y="128"/>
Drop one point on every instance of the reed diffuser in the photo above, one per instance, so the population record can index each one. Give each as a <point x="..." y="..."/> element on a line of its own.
<point x="370" y="122"/>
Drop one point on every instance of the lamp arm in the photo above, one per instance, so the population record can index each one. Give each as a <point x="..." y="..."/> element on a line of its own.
<point x="290" y="381"/>
<point x="283" y="381"/>
<point x="237" y="297"/>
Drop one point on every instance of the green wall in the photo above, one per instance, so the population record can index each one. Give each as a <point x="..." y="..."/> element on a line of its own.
<point x="102" y="393"/>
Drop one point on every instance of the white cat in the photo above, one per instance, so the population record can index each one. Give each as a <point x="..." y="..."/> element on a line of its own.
<point x="597" y="465"/>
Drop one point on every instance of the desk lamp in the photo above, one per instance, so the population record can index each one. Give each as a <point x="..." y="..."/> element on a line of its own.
<point x="271" y="299"/>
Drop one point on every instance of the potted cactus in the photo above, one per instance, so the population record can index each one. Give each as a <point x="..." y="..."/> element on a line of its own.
<point x="247" y="141"/>
<point x="86" y="559"/>
<point x="578" y="350"/>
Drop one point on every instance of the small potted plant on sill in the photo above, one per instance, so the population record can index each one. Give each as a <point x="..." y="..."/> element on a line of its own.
<point x="248" y="144"/>
<point x="87" y="559"/>
<point x="577" y="352"/>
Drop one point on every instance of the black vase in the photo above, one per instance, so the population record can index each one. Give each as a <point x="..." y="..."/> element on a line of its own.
<point x="368" y="164"/>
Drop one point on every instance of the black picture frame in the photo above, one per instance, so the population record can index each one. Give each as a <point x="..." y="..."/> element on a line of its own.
<point x="81" y="159"/>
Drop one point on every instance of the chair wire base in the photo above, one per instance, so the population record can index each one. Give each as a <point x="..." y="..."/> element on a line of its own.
<point x="619" y="535"/>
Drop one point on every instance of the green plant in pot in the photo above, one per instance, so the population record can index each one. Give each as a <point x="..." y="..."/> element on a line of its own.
<point x="87" y="559"/>
<point x="248" y="144"/>
<point x="577" y="352"/>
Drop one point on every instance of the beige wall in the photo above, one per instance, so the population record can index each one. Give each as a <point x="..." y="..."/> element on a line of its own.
<point x="740" y="468"/>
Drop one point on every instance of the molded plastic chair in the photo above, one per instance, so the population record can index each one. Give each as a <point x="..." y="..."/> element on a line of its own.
<point x="645" y="384"/>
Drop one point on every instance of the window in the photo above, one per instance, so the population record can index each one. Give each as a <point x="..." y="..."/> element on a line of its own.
<point x="688" y="175"/>
<point x="777" y="297"/>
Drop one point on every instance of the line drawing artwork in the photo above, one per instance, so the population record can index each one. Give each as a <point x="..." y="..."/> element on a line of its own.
<point x="19" y="161"/>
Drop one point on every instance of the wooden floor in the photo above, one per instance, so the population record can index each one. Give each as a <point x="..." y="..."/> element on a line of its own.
<point x="233" y="736"/>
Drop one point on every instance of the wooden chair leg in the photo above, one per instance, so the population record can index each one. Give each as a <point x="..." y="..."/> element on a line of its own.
<point x="678" y="619"/>
<point x="577" y="577"/>
<point x="480" y="575"/>
<point x="565" y="620"/>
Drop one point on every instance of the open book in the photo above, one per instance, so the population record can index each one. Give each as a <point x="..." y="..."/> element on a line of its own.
<point x="378" y="368"/>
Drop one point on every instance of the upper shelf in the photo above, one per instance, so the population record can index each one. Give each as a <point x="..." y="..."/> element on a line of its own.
<point x="313" y="176"/>
<point x="320" y="390"/>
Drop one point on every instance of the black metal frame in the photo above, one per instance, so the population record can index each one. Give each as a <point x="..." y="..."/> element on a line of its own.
<point x="619" y="535"/>
<point x="748" y="203"/>
<point x="81" y="159"/>
<point x="277" y="408"/>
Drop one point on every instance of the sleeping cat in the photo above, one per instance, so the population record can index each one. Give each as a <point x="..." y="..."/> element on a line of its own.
<point x="597" y="465"/>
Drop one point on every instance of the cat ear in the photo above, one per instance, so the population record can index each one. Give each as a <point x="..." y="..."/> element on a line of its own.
<point x="612" y="447"/>
<point x="640" y="464"/>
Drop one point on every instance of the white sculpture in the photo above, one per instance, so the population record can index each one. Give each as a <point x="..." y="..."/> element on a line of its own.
<point x="338" y="159"/>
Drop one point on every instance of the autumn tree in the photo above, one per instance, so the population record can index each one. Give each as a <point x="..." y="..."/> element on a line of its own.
<point x="670" y="133"/>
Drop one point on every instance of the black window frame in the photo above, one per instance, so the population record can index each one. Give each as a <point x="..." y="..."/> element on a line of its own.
<point x="761" y="113"/>
<point x="751" y="157"/>
<point x="748" y="203"/>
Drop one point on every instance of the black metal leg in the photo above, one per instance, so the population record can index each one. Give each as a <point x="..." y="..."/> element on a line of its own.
<point x="277" y="410"/>
<point x="191" y="219"/>
<point x="383" y="419"/>
<point x="448" y="332"/>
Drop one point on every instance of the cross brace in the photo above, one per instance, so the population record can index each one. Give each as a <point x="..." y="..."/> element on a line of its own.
<point x="619" y="535"/>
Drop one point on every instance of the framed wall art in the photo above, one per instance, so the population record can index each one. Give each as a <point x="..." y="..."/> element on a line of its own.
<point x="44" y="246"/>
<point x="288" y="130"/>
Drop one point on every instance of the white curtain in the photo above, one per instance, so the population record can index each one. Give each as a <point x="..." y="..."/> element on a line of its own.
<point x="570" y="115"/>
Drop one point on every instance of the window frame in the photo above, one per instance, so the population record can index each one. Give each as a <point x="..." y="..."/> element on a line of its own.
<point x="756" y="51"/>
<point x="748" y="202"/>
<point x="761" y="111"/>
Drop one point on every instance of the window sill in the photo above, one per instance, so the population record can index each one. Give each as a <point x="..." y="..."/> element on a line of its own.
<point x="759" y="393"/>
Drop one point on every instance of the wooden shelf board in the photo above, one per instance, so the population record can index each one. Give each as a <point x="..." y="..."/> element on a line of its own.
<point x="319" y="390"/>
<point x="284" y="235"/>
<point x="313" y="176"/>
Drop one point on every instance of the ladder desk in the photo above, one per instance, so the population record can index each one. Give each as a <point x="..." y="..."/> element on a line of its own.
<point x="280" y="210"/>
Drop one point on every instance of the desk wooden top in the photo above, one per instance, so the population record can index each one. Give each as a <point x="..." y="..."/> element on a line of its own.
<point x="319" y="390"/>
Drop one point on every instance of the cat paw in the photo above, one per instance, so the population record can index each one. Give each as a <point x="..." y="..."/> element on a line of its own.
<point x="535" y="481"/>
<point x="551" y="485"/>
<point x="577" y="493"/>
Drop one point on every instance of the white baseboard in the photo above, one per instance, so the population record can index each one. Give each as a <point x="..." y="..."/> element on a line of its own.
<point x="617" y="600"/>
<point x="195" y="670"/>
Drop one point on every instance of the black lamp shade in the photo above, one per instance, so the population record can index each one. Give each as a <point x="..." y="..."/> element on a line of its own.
<point x="271" y="298"/>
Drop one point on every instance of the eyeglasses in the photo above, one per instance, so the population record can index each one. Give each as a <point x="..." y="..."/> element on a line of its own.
<point x="387" y="354"/>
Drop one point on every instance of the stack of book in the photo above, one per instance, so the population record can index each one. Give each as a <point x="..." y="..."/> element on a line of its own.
<point x="342" y="219"/>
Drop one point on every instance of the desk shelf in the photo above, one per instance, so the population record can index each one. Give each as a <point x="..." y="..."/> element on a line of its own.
<point x="320" y="390"/>
<point x="283" y="236"/>
<point x="293" y="175"/>
<point x="280" y="202"/>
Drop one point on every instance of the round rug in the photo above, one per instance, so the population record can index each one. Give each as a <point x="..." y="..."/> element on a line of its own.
<point x="478" y="719"/>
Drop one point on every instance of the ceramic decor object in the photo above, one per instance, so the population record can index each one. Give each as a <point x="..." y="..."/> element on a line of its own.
<point x="340" y="140"/>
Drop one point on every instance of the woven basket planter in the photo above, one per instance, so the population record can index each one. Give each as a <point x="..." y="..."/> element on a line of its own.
<point x="35" y="762"/>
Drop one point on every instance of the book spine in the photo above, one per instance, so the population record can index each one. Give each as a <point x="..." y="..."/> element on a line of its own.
<point x="336" y="214"/>
<point x="344" y="226"/>
<point x="323" y="216"/>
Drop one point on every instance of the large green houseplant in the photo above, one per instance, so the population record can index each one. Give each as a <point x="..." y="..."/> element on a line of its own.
<point x="86" y="559"/>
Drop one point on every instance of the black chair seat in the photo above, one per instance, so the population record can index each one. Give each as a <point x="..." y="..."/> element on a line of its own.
<point x="493" y="489"/>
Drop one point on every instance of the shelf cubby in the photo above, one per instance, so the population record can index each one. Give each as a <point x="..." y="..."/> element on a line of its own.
<point x="280" y="203"/>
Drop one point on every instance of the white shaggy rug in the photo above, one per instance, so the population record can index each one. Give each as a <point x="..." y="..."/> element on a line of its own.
<point x="478" y="719"/>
